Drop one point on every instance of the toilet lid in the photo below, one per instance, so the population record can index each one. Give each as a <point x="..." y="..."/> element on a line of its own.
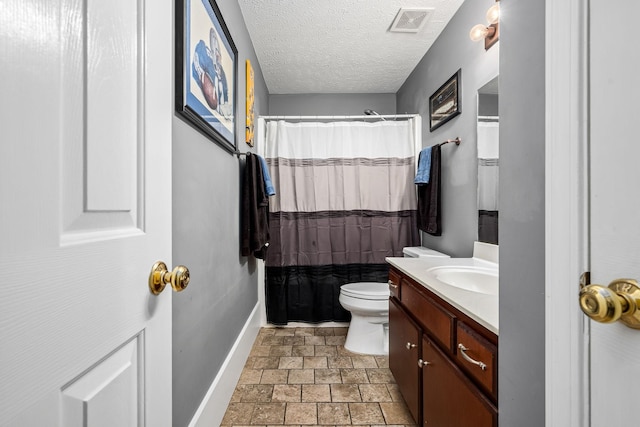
<point x="422" y="252"/>
<point x="366" y="290"/>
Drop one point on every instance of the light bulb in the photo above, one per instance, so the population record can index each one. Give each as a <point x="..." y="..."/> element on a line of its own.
<point x="493" y="14"/>
<point x="478" y="32"/>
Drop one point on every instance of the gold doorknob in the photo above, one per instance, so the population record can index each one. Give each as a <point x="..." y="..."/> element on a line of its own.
<point x="619" y="301"/>
<point x="160" y="276"/>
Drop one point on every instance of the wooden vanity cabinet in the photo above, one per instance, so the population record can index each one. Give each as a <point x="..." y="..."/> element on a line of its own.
<point x="454" y="388"/>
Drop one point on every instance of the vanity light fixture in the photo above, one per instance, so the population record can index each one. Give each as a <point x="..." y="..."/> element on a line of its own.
<point x="491" y="33"/>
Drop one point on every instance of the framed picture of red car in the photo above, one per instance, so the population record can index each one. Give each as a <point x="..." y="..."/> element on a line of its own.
<point x="206" y="70"/>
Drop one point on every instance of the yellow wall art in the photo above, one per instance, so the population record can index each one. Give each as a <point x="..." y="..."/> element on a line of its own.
<point x="250" y="106"/>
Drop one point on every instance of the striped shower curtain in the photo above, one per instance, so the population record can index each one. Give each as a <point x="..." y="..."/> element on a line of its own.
<point x="345" y="200"/>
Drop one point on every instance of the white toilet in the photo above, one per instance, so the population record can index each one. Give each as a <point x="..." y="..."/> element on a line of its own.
<point x="368" y="303"/>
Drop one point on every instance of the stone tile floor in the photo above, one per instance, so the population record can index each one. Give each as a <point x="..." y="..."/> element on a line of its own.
<point x="304" y="376"/>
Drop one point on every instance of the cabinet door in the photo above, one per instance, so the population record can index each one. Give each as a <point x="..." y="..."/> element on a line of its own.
<point x="449" y="398"/>
<point x="404" y="348"/>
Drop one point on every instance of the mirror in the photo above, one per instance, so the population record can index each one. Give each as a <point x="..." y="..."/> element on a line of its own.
<point x="488" y="129"/>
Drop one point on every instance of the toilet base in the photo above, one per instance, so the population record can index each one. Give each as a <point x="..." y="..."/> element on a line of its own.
<point x="364" y="337"/>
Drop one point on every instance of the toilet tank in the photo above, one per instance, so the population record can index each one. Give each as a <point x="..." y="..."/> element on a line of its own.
<point x="422" y="252"/>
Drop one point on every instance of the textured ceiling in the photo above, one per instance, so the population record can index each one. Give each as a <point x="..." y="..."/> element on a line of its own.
<point x="339" y="46"/>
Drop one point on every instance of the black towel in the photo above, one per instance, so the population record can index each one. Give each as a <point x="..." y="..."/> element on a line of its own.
<point x="429" y="209"/>
<point x="255" y="210"/>
<point x="488" y="226"/>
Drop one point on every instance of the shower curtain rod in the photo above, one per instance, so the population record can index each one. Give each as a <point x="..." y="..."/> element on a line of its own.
<point x="363" y="117"/>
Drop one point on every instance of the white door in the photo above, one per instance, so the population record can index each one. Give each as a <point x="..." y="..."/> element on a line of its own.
<point x="85" y="211"/>
<point x="615" y="203"/>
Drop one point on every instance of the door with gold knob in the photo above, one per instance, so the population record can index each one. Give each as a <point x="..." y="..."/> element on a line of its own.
<point x="85" y="212"/>
<point x="591" y="206"/>
<point x="614" y="205"/>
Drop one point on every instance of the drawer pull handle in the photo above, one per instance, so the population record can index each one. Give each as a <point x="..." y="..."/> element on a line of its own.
<point x="422" y="363"/>
<point x="392" y="285"/>
<point x="463" y="350"/>
<point x="410" y="346"/>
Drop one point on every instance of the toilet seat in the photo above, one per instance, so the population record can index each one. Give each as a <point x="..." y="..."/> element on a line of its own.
<point x="366" y="290"/>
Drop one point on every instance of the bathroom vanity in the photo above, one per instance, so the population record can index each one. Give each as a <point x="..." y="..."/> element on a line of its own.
<point x="443" y="339"/>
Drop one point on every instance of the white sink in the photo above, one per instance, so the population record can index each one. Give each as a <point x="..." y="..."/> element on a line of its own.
<point x="473" y="279"/>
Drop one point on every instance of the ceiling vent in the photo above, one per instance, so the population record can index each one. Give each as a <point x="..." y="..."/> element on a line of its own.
<point x="410" y="20"/>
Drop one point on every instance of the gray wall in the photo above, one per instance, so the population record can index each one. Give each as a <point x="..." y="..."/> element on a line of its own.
<point x="522" y="210"/>
<point x="451" y="51"/>
<point x="331" y="104"/>
<point x="209" y="315"/>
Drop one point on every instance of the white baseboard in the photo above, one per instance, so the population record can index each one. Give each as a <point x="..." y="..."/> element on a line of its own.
<point x="215" y="402"/>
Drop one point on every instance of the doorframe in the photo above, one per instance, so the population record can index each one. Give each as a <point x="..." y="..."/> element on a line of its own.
<point x="566" y="212"/>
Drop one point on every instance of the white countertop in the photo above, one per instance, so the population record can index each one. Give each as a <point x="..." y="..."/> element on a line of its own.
<point x="482" y="308"/>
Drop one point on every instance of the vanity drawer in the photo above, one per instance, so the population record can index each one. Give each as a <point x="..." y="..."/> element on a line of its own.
<point x="437" y="321"/>
<point x="394" y="283"/>
<point x="481" y="357"/>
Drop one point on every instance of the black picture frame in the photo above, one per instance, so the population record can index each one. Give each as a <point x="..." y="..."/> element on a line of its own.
<point x="206" y="71"/>
<point x="445" y="104"/>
